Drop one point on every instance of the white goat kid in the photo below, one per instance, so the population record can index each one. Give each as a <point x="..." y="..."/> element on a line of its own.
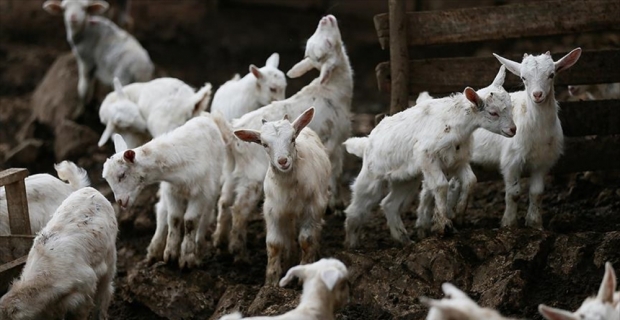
<point x="539" y="141"/>
<point x="456" y="305"/>
<point x="101" y="48"/>
<point x="397" y="155"/>
<point x="258" y="88"/>
<point x="140" y="111"/>
<point x="296" y="188"/>
<point x="194" y="175"/>
<point x="330" y="94"/>
<point x="326" y="289"/>
<point x="45" y="193"/>
<point x="71" y="265"/>
<point x="593" y="308"/>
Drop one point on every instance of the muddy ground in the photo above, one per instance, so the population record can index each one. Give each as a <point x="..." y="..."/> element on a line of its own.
<point x="511" y="270"/>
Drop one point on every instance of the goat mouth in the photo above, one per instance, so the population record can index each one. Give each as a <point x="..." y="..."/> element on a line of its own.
<point x="285" y="167"/>
<point x="507" y="134"/>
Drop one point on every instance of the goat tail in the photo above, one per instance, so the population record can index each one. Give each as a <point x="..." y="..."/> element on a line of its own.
<point x="232" y="316"/>
<point x="356" y="146"/>
<point x="224" y="126"/>
<point x="201" y="98"/>
<point x="423" y="96"/>
<point x="70" y="172"/>
<point x="107" y="133"/>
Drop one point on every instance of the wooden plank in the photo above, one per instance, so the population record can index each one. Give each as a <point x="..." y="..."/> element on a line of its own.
<point x="11" y="175"/>
<point x="399" y="56"/>
<point x="454" y="74"/>
<point x="17" y="205"/>
<point x="583" y="118"/>
<point x="544" y="18"/>
<point x="10" y="271"/>
<point x="13" y="247"/>
<point x="580" y="154"/>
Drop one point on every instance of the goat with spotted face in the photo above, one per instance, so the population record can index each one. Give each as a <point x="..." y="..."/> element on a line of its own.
<point x="397" y="155"/>
<point x="326" y="289"/>
<point x="296" y="188"/>
<point x="101" y="48"/>
<point x="600" y="307"/>
<point x="192" y="171"/>
<point x="330" y="94"/>
<point x="539" y="141"/>
<point x="258" y="88"/>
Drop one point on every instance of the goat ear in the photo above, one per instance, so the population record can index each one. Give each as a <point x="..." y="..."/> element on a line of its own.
<point x="118" y="89"/>
<point x="568" y="60"/>
<point x="300" y="68"/>
<point x="453" y="292"/>
<point x="201" y="99"/>
<point x="119" y="143"/>
<point x="294" y="272"/>
<point x="499" y="78"/>
<point x="512" y="66"/>
<point x="303" y="120"/>
<point x="53" y="7"/>
<point x="326" y="72"/>
<point x="608" y="286"/>
<point x="256" y="72"/>
<point x="474" y="98"/>
<point x="129" y="156"/>
<point x="273" y="60"/>
<point x="97" y="7"/>
<point x="331" y="277"/>
<point x="248" y="135"/>
<point x="555" y="314"/>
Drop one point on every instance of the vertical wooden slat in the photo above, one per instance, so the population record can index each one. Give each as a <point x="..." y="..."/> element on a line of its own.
<point x="17" y="205"/>
<point x="399" y="56"/>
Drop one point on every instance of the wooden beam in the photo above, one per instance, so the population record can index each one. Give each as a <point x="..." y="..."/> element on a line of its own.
<point x="531" y="19"/>
<point x="580" y="154"/>
<point x="454" y="74"/>
<point x="17" y="205"/>
<point x="10" y="271"/>
<point x="584" y="118"/>
<point x="11" y="175"/>
<point x="399" y="56"/>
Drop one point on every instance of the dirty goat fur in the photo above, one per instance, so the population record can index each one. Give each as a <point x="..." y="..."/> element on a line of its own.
<point x="141" y="111"/>
<point x="330" y="94"/>
<point x="296" y="188"/>
<point x="192" y="171"/>
<point x="45" y="193"/>
<point x="71" y="265"/>
<point x="458" y="306"/>
<point x="593" y="308"/>
<point x="326" y="289"/>
<point x="101" y="48"/>
<point x="258" y="88"/>
<point x="539" y="142"/>
<point x="431" y="141"/>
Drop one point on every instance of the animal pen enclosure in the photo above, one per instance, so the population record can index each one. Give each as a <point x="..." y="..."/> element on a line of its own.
<point x="591" y="126"/>
<point x="14" y="247"/>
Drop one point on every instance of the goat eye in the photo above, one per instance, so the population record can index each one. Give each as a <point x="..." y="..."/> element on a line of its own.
<point x="551" y="76"/>
<point x="493" y="114"/>
<point x="523" y="78"/>
<point x="273" y="90"/>
<point x="265" y="145"/>
<point x="121" y="177"/>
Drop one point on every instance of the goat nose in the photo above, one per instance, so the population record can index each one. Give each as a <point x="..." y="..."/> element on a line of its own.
<point x="537" y="94"/>
<point x="282" y="161"/>
<point x="513" y="130"/>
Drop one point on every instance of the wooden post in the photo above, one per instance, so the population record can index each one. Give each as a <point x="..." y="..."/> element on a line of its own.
<point x="399" y="56"/>
<point x="17" y="204"/>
